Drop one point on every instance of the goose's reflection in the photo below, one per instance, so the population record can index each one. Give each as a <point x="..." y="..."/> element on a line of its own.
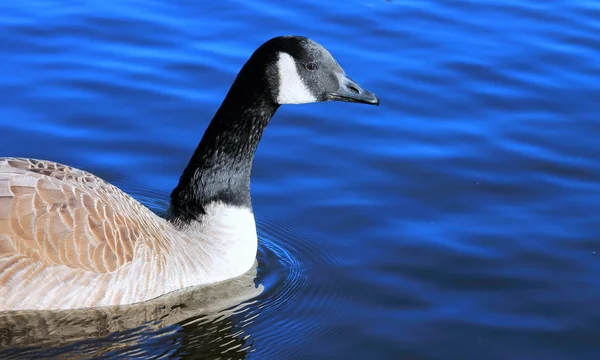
<point x="203" y="322"/>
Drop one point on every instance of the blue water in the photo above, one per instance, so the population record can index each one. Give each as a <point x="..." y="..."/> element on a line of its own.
<point x="458" y="220"/>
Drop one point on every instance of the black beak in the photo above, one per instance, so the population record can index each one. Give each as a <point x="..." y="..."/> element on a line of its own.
<point x="350" y="91"/>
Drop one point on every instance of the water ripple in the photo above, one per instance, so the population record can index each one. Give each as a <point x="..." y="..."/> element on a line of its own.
<point x="463" y="212"/>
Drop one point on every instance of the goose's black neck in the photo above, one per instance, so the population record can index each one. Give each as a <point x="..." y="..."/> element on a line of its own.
<point x="220" y="168"/>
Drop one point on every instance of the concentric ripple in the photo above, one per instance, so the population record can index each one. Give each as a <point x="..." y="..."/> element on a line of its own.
<point x="297" y="268"/>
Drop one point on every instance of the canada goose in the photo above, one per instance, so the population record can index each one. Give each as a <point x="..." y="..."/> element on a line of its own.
<point x="69" y="240"/>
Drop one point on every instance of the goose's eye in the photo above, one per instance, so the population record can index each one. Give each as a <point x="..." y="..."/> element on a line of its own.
<point x="311" y="66"/>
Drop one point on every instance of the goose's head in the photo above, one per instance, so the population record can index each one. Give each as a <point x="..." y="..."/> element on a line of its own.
<point x="298" y="70"/>
<point x="283" y="70"/>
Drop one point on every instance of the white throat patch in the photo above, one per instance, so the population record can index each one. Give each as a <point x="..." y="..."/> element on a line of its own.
<point x="292" y="89"/>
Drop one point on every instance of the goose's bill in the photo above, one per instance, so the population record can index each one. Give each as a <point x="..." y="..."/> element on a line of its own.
<point x="350" y="91"/>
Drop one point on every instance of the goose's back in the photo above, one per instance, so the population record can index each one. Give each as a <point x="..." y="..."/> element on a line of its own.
<point x="65" y="223"/>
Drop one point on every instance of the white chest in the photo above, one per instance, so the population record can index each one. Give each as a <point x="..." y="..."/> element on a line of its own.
<point x="224" y="243"/>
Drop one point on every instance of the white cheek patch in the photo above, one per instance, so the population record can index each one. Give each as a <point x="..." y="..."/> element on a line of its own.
<point x="292" y="89"/>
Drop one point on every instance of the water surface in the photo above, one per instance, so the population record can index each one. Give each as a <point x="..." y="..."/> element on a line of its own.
<point x="458" y="220"/>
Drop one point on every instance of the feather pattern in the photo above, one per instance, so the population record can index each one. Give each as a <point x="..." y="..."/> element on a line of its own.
<point x="69" y="239"/>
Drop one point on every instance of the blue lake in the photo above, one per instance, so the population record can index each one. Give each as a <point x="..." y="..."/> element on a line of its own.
<point x="460" y="219"/>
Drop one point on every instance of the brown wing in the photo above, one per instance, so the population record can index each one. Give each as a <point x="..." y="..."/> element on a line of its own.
<point x="56" y="214"/>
